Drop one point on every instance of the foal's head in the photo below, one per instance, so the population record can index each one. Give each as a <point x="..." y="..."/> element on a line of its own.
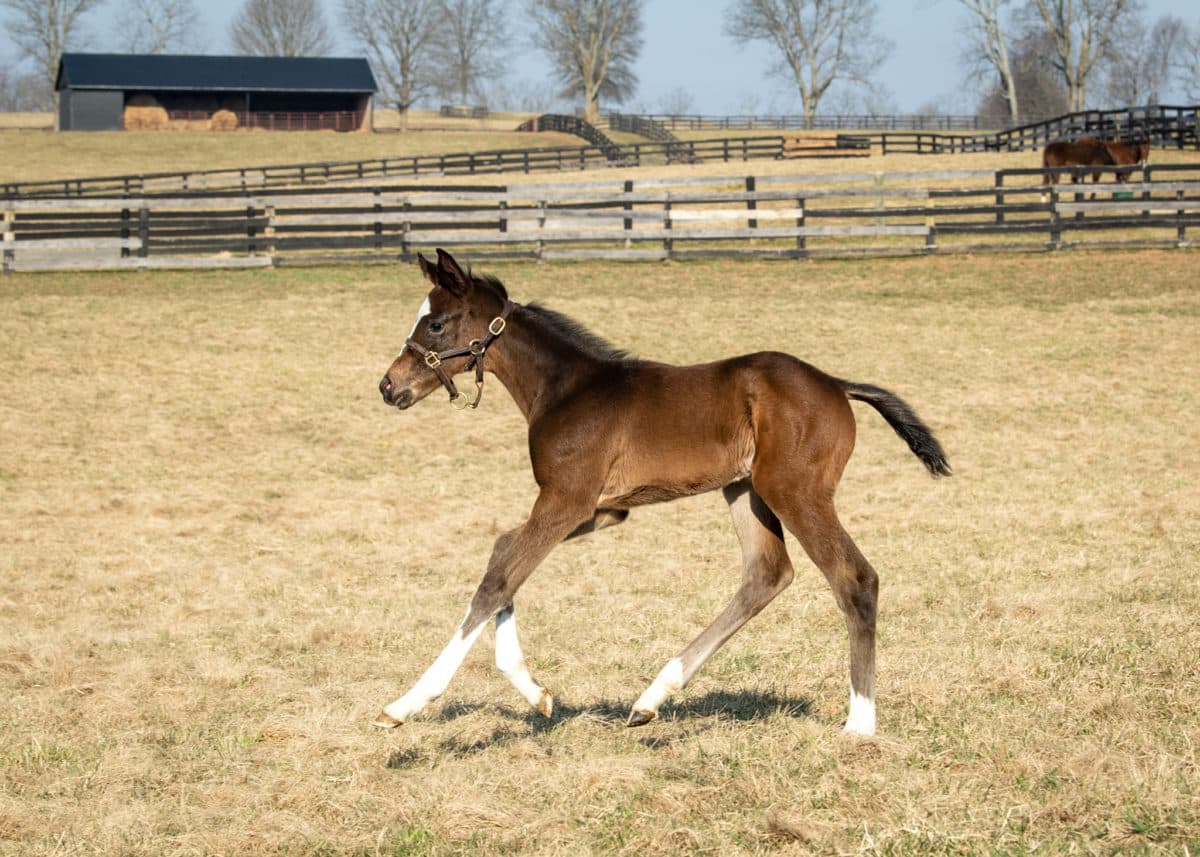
<point x="457" y="312"/>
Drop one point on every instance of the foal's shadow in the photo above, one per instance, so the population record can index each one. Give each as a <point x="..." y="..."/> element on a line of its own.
<point x="703" y="711"/>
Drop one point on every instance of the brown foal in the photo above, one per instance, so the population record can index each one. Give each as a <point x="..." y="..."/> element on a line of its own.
<point x="608" y="432"/>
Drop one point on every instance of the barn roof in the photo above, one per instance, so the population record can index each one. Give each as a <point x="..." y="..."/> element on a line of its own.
<point x="214" y="73"/>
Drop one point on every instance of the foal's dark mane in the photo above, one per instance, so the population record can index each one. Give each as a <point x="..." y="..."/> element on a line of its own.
<point x="563" y="325"/>
<point x="576" y="334"/>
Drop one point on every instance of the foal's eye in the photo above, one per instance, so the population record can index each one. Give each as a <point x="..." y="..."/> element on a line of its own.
<point x="437" y="326"/>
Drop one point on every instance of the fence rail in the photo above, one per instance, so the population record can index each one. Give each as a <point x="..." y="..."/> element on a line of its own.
<point x="793" y="216"/>
<point x="329" y="120"/>
<point x="549" y="159"/>
<point x="1167" y="126"/>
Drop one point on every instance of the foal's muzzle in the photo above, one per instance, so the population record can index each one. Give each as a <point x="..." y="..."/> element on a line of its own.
<point x="400" y="398"/>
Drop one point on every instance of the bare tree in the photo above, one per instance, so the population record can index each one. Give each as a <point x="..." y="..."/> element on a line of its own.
<point x="1187" y="62"/>
<point x="157" y="26"/>
<point x="677" y="102"/>
<point x="1082" y="33"/>
<point x="398" y="37"/>
<point x="819" y="42"/>
<point x="23" y="93"/>
<point x="1034" y="76"/>
<point x="1139" y="65"/>
<point x="592" y="46"/>
<point x="989" y="48"/>
<point x="280" y="28"/>
<point x="470" y="45"/>
<point x="45" y="29"/>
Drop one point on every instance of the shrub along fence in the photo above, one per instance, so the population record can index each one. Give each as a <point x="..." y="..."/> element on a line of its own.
<point x="794" y="216"/>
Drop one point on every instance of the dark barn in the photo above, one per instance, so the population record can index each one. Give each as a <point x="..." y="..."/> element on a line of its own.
<point x="106" y="92"/>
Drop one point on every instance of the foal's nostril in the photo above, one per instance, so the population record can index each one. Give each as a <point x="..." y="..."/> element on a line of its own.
<point x="385" y="388"/>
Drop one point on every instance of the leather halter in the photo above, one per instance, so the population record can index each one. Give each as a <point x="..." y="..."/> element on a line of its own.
<point x="475" y="349"/>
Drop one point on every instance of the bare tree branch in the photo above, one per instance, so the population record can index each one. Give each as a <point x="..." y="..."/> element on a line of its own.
<point x="281" y="28"/>
<point x="818" y="41"/>
<point x="990" y="40"/>
<point x="1139" y="64"/>
<point x="44" y="30"/>
<point x="1187" y="62"/>
<point x="1082" y="32"/>
<point x="470" y="45"/>
<point x="592" y="46"/>
<point x="157" y="26"/>
<point x="398" y="38"/>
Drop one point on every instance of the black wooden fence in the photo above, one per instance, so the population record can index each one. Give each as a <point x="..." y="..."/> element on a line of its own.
<point x="1177" y="127"/>
<point x="794" y="216"/>
<point x="549" y="159"/>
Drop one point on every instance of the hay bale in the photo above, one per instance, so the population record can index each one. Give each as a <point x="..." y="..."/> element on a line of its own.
<point x="138" y="118"/>
<point x="223" y="120"/>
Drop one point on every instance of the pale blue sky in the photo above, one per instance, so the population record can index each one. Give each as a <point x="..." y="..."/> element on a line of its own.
<point x="685" y="49"/>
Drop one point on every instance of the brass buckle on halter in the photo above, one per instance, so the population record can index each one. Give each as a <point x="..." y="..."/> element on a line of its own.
<point x="475" y="346"/>
<point x="460" y="402"/>
<point x="432" y="360"/>
<point x="495" y="330"/>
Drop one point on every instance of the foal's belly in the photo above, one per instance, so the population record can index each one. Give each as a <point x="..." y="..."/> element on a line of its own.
<point x="690" y="434"/>
<point x="657" y="475"/>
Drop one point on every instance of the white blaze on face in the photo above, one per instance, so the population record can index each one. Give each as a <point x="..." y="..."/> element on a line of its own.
<point x="421" y="313"/>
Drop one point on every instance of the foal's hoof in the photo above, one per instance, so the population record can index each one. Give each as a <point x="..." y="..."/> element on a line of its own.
<point x="385" y="721"/>
<point x="640" y="718"/>
<point x="545" y="705"/>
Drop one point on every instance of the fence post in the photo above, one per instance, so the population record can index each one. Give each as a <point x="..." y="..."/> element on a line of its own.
<point x="378" y="224"/>
<point x="144" y="230"/>
<point x="251" y="232"/>
<point x="1055" y="220"/>
<point x="801" y="244"/>
<point x="7" y="238"/>
<point x="628" y="207"/>
<point x="1180" y="222"/>
<point x="668" y="244"/>
<point x="541" y="223"/>
<point x="125" y="216"/>
<point x="269" y="229"/>
<point x="405" y="230"/>
<point x="751" y="204"/>
<point x="930" y="226"/>
<point x="999" y="197"/>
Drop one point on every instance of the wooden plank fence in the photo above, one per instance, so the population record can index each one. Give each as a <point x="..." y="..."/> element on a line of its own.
<point x="795" y="216"/>
<point x="561" y="159"/>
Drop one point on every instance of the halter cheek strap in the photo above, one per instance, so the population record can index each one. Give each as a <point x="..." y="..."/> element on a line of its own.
<point x="475" y="349"/>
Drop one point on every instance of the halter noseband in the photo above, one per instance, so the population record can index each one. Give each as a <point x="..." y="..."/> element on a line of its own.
<point x="475" y="349"/>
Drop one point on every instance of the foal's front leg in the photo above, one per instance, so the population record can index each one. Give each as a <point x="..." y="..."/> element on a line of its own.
<point x="515" y="555"/>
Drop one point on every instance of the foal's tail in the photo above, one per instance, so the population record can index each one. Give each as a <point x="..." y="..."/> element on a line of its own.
<point x="906" y="423"/>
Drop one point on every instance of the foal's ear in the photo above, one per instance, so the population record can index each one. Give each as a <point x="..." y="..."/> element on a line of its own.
<point x="427" y="268"/>
<point x="451" y="277"/>
<point x="446" y="273"/>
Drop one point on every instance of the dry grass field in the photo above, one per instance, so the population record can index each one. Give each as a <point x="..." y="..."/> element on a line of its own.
<point x="220" y="554"/>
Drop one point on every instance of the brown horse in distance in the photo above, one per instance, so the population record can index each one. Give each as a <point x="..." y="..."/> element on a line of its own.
<point x="1093" y="152"/>
<point x="608" y="432"/>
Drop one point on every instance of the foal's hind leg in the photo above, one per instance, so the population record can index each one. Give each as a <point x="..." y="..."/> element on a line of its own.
<point x="767" y="572"/>
<point x="811" y="517"/>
